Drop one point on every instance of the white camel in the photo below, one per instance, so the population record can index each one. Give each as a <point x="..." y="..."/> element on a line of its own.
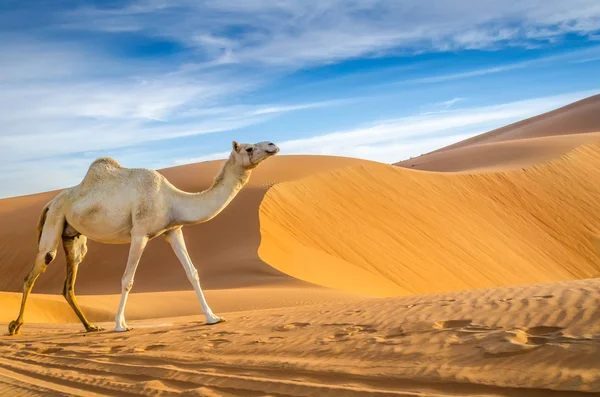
<point x="118" y="205"/>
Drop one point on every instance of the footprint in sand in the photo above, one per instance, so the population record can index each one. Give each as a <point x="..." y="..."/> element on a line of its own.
<point x="451" y="324"/>
<point x="347" y="332"/>
<point x="543" y="330"/>
<point x="522" y="341"/>
<point x="159" y="332"/>
<point x="48" y="350"/>
<point x="155" y="347"/>
<point x="542" y="334"/>
<point x="266" y="340"/>
<point x="291" y="327"/>
<point x="116" y="349"/>
<point x="351" y="312"/>
<point x="464" y="326"/>
<point x="225" y="333"/>
<point x="217" y="342"/>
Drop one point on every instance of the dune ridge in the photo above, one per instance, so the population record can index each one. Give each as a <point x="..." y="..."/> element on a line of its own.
<point x="469" y="230"/>
<point x="517" y="145"/>
<point x="579" y="117"/>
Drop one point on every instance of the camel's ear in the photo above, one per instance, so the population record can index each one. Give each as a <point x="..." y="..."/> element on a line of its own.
<point x="236" y="146"/>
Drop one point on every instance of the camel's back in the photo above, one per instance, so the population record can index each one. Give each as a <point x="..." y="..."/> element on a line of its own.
<point x="106" y="172"/>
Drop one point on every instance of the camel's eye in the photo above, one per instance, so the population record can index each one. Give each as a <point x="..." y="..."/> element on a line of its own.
<point x="250" y="149"/>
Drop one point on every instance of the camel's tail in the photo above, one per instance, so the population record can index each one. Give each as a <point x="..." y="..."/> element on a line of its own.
<point x="41" y="221"/>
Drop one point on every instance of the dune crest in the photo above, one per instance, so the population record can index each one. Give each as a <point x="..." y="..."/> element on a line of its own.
<point x="521" y="144"/>
<point x="433" y="232"/>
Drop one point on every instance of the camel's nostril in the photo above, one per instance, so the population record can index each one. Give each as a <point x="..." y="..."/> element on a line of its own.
<point x="271" y="144"/>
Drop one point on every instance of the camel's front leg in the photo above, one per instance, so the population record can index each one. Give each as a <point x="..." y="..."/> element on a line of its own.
<point x="175" y="238"/>
<point x="136" y="248"/>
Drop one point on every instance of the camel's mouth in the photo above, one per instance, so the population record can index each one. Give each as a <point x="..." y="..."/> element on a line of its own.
<point x="272" y="151"/>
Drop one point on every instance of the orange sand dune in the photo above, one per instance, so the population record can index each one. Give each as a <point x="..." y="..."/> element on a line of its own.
<point x="431" y="232"/>
<point x="520" y="144"/>
<point x="500" y="156"/>
<point x="576" y="118"/>
<point x="535" y="341"/>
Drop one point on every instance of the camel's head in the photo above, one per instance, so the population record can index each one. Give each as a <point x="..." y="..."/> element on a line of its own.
<point x="250" y="155"/>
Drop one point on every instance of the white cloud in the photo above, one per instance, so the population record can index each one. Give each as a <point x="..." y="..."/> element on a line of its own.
<point x="576" y="56"/>
<point x="296" y="33"/>
<point x="451" y="102"/>
<point x="395" y="140"/>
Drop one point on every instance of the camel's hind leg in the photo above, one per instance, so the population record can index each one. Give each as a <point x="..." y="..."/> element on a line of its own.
<point x="48" y="244"/>
<point x="75" y="250"/>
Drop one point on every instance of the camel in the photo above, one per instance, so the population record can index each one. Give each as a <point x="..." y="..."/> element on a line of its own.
<point x="119" y="205"/>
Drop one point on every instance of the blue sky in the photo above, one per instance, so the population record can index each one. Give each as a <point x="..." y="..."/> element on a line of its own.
<point x="160" y="83"/>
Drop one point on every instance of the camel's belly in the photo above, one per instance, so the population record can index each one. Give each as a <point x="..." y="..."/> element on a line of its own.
<point x="111" y="225"/>
<point x="104" y="231"/>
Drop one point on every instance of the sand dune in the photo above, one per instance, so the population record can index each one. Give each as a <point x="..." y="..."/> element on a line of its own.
<point x="522" y="144"/>
<point x="511" y="341"/>
<point x="576" y="118"/>
<point x="433" y="232"/>
<point x="500" y="156"/>
<point x="343" y="277"/>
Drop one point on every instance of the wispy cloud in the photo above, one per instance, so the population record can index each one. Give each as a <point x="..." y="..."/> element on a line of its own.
<point x="395" y="140"/>
<point x="576" y="56"/>
<point x="299" y="32"/>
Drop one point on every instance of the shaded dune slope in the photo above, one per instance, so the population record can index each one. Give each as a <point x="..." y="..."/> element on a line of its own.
<point x="431" y="232"/>
<point x="224" y="250"/>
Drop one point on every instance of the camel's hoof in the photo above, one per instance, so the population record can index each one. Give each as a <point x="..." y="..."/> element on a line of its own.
<point x="123" y="329"/>
<point x="13" y="328"/>
<point x="215" y="320"/>
<point x="94" y="328"/>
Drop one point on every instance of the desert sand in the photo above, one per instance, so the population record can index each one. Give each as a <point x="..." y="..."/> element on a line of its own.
<point x="472" y="270"/>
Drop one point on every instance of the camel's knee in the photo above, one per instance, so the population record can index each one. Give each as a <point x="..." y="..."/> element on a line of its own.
<point x="49" y="257"/>
<point x="127" y="284"/>
<point x="40" y="266"/>
<point x="45" y="257"/>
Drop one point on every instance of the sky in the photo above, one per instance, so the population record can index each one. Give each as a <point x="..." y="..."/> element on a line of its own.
<point x="162" y="83"/>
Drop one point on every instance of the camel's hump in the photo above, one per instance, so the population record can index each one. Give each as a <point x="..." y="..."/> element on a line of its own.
<point x="100" y="168"/>
<point x="105" y="162"/>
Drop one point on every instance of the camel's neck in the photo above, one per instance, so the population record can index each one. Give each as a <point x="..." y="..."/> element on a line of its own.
<point x="200" y="207"/>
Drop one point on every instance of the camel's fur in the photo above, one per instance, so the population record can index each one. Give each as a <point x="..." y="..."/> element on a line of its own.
<point x="118" y="205"/>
